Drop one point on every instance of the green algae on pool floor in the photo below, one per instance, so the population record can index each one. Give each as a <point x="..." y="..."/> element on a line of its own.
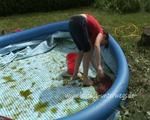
<point x="78" y="100"/>
<point x="69" y="112"/>
<point x="8" y="78"/>
<point x="54" y="110"/>
<point x="41" y="107"/>
<point x="16" y="115"/>
<point x="25" y="93"/>
<point x="13" y="67"/>
<point x="20" y="70"/>
<point x="33" y="83"/>
<point x="1" y="106"/>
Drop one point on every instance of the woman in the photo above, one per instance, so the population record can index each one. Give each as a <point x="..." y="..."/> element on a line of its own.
<point x="88" y="35"/>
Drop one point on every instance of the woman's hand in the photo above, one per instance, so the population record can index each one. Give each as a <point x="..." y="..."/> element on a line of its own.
<point x="74" y="77"/>
<point x="100" y="74"/>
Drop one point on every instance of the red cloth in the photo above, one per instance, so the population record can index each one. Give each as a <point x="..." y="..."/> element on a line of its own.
<point x="94" y="27"/>
<point x="104" y="85"/>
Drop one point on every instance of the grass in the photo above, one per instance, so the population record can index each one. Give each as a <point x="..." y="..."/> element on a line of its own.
<point x="127" y="30"/>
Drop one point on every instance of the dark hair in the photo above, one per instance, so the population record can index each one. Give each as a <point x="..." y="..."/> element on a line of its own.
<point x="106" y="38"/>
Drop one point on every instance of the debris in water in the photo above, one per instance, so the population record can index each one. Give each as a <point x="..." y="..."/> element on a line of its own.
<point x="41" y="107"/>
<point x="54" y="110"/>
<point x="8" y="78"/>
<point x="25" y="93"/>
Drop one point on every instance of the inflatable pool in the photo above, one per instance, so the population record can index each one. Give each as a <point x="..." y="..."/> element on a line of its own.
<point x="103" y="108"/>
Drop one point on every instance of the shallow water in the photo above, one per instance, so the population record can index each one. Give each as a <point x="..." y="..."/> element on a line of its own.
<point x="33" y="88"/>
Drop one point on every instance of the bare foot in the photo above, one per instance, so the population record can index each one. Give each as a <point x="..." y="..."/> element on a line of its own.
<point x="87" y="82"/>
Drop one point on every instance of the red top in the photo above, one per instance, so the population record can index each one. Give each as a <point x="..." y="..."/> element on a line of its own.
<point x="94" y="28"/>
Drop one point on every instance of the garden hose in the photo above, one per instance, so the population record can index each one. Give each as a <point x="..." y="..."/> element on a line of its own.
<point x="130" y="30"/>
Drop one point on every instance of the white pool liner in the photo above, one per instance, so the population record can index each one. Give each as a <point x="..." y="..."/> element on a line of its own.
<point x="28" y="87"/>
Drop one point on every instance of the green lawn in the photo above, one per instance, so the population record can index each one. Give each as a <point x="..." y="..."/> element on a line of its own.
<point x="127" y="30"/>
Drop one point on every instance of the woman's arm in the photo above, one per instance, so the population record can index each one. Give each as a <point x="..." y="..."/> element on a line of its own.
<point x="99" y="69"/>
<point x="77" y="65"/>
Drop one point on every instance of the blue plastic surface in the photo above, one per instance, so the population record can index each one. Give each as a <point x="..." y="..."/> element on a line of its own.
<point x="107" y="104"/>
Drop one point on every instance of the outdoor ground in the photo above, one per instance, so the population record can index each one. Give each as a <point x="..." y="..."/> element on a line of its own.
<point x="127" y="30"/>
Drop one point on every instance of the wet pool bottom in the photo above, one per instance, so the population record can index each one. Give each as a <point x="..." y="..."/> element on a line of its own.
<point x="33" y="88"/>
